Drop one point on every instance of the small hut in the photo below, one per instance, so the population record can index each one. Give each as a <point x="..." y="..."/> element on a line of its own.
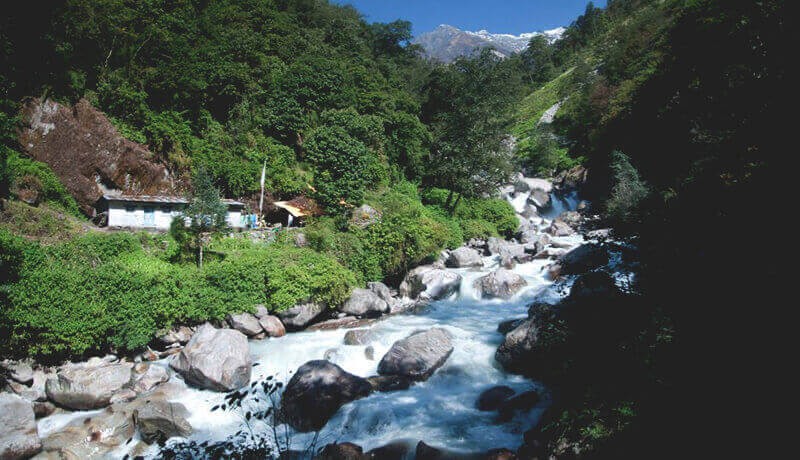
<point x="294" y="212"/>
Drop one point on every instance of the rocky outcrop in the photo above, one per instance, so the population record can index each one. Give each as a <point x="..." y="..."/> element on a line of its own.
<point x="89" y="155"/>
<point x="85" y="387"/>
<point x="464" y="257"/>
<point x="97" y="435"/>
<point x="19" y="437"/>
<point x="316" y="392"/>
<point x="572" y="179"/>
<point x="418" y="355"/>
<point x="215" y="359"/>
<point x="364" y="302"/>
<point x="301" y="315"/>
<point x="245" y="323"/>
<point x="434" y="282"/>
<point x="365" y="215"/>
<point x="342" y="451"/>
<point x="500" y="283"/>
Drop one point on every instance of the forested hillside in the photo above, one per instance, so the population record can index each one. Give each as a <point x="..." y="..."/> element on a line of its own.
<point x="678" y="108"/>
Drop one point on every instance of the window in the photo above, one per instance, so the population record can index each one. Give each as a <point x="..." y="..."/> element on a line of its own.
<point x="130" y="208"/>
<point x="166" y="208"/>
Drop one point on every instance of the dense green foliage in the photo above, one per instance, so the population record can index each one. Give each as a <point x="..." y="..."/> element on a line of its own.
<point x="115" y="291"/>
<point x="408" y="231"/>
<point x="693" y="92"/>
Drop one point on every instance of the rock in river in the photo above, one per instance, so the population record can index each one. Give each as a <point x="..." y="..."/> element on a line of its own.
<point x="215" y="359"/>
<point x="83" y="387"/>
<point x="316" y="391"/>
<point x="429" y="280"/>
<point x="464" y="257"/>
<point x="301" y="315"/>
<point x="364" y="302"/>
<point x="500" y="283"/>
<point x="19" y="437"/>
<point x="245" y="323"/>
<point x="418" y="355"/>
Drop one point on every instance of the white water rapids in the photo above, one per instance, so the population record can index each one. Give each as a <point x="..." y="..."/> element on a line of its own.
<point x="440" y="411"/>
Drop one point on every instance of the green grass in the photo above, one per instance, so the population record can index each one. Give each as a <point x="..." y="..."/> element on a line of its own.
<point x="45" y="223"/>
<point x="536" y="104"/>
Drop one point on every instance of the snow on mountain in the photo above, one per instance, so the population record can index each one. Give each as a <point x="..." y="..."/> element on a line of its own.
<point x="446" y="43"/>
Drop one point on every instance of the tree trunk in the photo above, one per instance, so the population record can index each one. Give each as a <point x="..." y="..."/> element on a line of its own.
<point x="455" y="205"/>
<point x="200" y="253"/>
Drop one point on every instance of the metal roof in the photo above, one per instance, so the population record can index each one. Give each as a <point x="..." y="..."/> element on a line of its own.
<point x="160" y="199"/>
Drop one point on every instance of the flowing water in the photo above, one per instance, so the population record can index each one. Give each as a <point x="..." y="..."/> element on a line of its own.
<point x="441" y="411"/>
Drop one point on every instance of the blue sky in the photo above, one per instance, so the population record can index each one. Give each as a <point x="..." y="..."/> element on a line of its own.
<point x="497" y="16"/>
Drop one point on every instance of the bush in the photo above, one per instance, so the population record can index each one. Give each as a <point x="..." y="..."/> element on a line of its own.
<point x="628" y="191"/>
<point x="115" y="291"/>
<point x="49" y="187"/>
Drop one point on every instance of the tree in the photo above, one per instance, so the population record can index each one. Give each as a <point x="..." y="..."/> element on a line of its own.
<point x="468" y="109"/>
<point x="206" y="214"/>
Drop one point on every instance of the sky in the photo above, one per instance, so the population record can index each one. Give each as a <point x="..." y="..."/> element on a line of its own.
<point x="496" y="16"/>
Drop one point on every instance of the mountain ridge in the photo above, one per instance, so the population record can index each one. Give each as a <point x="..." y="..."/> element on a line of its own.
<point x="447" y="43"/>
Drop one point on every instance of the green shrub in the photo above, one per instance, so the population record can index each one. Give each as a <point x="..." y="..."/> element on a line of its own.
<point x="117" y="290"/>
<point x="497" y="213"/>
<point x="477" y="228"/>
<point x="629" y="189"/>
<point x="51" y="190"/>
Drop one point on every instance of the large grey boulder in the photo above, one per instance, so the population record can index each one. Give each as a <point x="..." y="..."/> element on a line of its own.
<point x="316" y="392"/>
<point x="20" y="372"/>
<point x="215" y="359"/>
<point x="301" y="315"/>
<point x="158" y="420"/>
<point x="571" y="218"/>
<point x="500" y="283"/>
<point x="432" y="281"/>
<point x="19" y="437"/>
<point x="464" y="257"/>
<point x="83" y="387"/>
<point x="364" y="302"/>
<point x="245" y="323"/>
<point x="518" y="345"/>
<point x="418" y="355"/>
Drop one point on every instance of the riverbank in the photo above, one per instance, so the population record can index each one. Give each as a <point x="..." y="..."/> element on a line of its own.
<point x="465" y="309"/>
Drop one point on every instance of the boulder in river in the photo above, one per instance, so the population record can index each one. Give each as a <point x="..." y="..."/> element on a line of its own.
<point x="500" y="283"/>
<point x="245" y="323"/>
<point x="84" y="387"/>
<point x="560" y="228"/>
<point x="418" y="355"/>
<point x="301" y="315"/>
<point x="364" y="302"/>
<point x="494" y="397"/>
<point x="584" y="258"/>
<point x="434" y="282"/>
<point x="179" y="335"/>
<point x="540" y="199"/>
<point x="316" y="392"/>
<point x="215" y="359"/>
<point x="464" y="257"/>
<point x="158" y="420"/>
<point x="342" y="451"/>
<point x="520" y="403"/>
<point x="571" y="218"/>
<point x="19" y="437"/>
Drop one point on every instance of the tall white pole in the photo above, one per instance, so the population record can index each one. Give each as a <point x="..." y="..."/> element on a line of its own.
<point x="263" y="177"/>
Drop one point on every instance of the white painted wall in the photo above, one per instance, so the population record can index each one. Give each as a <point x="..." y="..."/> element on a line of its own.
<point x="159" y="219"/>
